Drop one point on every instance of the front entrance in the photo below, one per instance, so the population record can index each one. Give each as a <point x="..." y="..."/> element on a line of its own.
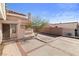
<point x="6" y="31"/>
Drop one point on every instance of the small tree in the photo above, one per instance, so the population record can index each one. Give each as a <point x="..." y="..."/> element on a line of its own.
<point x="37" y="24"/>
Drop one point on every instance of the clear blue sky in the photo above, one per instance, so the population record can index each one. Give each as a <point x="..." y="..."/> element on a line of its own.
<point x="54" y="12"/>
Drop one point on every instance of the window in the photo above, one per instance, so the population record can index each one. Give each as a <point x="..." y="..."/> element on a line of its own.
<point x="13" y="26"/>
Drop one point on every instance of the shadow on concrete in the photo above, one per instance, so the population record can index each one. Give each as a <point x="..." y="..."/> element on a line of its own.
<point x="14" y="40"/>
<point x="1" y="49"/>
<point x="51" y="35"/>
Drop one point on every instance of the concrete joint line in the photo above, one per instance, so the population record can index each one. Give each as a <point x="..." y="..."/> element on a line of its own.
<point x="69" y="41"/>
<point x="36" y="48"/>
<point x="62" y="50"/>
<point x="23" y="53"/>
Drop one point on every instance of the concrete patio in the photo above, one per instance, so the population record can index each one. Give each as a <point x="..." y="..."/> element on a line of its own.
<point x="54" y="46"/>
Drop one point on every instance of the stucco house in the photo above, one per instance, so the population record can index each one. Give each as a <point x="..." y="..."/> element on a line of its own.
<point x="12" y="24"/>
<point x="70" y="29"/>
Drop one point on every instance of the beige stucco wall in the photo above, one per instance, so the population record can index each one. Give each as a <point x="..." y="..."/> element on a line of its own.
<point x="20" y="31"/>
<point x="2" y="10"/>
<point x="0" y="33"/>
<point x="78" y="30"/>
<point x="20" y="21"/>
<point x="67" y="28"/>
<point x="21" y="28"/>
<point x="10" y="18"/>
<point x="2" y="17"/>
<point x="71" y="25"/>
<point x="66" y="31"/>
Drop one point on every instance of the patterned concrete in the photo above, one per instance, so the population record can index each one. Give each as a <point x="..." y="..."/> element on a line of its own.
<point x="31" y="44"/>
<point x="1" y="49"/>
<point x="69" y="46"/>
<point x="55" y="46"/>
<point x="11" y="49"/>
<point x="47" y="51"/>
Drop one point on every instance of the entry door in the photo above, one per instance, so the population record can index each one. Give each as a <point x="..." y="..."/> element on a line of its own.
<point x="6" y="31"/>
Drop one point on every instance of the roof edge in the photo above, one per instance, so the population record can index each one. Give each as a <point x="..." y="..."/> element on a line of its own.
<point x="14" y="12"/>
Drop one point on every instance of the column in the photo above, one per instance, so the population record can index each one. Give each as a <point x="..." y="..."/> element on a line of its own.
<point x="0" y="33"/>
